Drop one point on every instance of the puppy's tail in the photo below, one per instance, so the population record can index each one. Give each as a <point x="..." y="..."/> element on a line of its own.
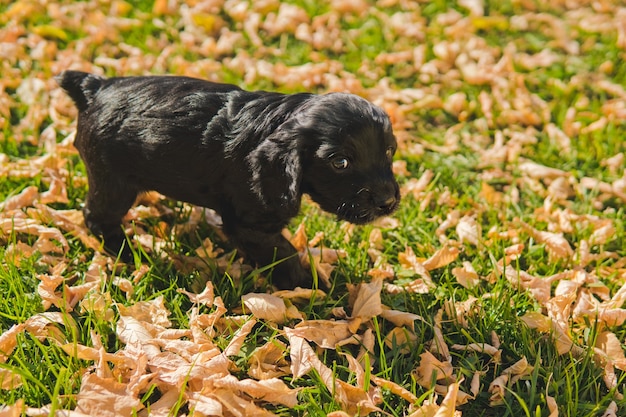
<point x="80" y="86"/>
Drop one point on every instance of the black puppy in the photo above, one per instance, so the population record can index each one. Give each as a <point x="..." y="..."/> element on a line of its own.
<point x="248" y="155"/>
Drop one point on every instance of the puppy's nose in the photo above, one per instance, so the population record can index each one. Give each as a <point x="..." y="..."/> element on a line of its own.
<point x="387" y="204"/>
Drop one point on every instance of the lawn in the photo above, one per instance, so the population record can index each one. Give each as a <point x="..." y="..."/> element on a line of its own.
<point x="497" y="288"/>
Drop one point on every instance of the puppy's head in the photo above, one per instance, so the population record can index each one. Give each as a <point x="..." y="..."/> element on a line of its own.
<point x="347" y="146"/>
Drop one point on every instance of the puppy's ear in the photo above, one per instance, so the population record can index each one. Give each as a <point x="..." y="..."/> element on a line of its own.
<point x="276" y="168"/>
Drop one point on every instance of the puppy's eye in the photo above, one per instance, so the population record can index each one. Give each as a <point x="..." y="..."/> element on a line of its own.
<point x="389" y="153"/>
<point x="340" y="163"/>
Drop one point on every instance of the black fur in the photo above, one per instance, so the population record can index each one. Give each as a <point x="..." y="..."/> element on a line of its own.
<point x="248" y="155"/>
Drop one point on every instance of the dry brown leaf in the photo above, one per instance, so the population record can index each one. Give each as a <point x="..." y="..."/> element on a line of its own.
<point x="24" y="199"/>
<point x="401" y="338"/>
<point x="304" y="294"/>
<point x="331" y="414"/>
<point x="603" y="233"/>
<point x="557" y="246"/>
<point x="302" y="355"/>
<point x="416" y="187"/>
<point x="395" y="389"/>
<point x="400" y="318"/>
<point x="475" y="384"/>
<point x="44" y="325"/>
<point x="132" y="331"/>
<point x="536" y="320"/>
<point x="153" y="312"/>
<point x="105" y="397"/>
<point x="480" y="348"/>
<point x="366" y="301"/>
<point x="204" y="404"/>
<point x="611" y="410"/>
<point x="266" y="307"/>
<point x="324" y="333"/>
<point x="271" y="390"/>
<point x="612" y="317"/>
<point x="94" y="354"/>
<point x="32" y="227"/>
<point x="239" y="337"/>
<point x="76" y="293"/>
<point x="431" y="369"/>
<point x="47" y="291"/>
<point x="497" y="388"/>
<point x="466" y="275"/>
<point x="15" y="410"/>
<point x="409" y="261"/>
<point x="452" y="219"/>
<point x="8" y="341"/>
<point x="609" y="346"/>
<point x="441" y="258"/>
<point x="57" y="193"/>
<point x="448" y="405"/>
<point x="538" y="171"/>
<point x="98" y="304"/>
<point x="163" y="406"/>
<point x="299" y="239"/>
<point x="552" y="406"/>
<point x="268" y="361"/>
<point x="468" y="230"/>
<point x="355" y="400"/>
<point x="70" y="221"/>
<point x="10" y="379"/>
<point x="438" y="345"/>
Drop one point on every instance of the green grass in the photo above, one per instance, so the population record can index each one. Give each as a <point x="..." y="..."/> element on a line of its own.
<point x="50" y="376"/>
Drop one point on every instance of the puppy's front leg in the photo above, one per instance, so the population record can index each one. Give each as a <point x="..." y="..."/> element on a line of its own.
<point x="266" y="248"/>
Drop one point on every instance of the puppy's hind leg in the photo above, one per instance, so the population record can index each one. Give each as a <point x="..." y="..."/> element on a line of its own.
<point x="108" y="200"/>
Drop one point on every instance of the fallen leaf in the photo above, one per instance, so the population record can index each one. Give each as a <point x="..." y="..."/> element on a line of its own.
<point x="466" y="275"/>
<point x="266" y="307"/>
<point x="105" y="397"/>
<point x="430" y="370"/>
<point x="401" y="338"/>
<point x="400" y="318"/>
<point x="153" y="312"/>
<point x="441" y="258"/>
<point x="366" y="302"/>
<point x="268" y="361"/>
<point x="324" y="333"/>
<point x="468" y="230"/>
<point x="271" y="390"/>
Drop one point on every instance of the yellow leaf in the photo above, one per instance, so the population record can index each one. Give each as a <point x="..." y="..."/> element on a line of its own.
<point x="50" y="32"/>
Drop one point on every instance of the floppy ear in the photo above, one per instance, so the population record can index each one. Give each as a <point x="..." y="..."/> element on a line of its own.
<point x="276" y="168"/>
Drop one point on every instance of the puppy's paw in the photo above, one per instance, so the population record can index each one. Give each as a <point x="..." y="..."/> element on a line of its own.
<point x="119" y="247"/>
<point x="289" y="275"/>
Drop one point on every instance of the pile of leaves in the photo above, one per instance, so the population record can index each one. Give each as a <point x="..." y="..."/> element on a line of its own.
<point x="498" y="288"/>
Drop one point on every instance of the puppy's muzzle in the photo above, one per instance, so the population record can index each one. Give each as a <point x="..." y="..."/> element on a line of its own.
<point x="387" y="205"/>
<point x="371" y="203"/>
<point x="386" y="198"/>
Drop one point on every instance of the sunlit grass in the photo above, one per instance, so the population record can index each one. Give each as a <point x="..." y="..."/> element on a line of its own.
<point x="49" y="375"/>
